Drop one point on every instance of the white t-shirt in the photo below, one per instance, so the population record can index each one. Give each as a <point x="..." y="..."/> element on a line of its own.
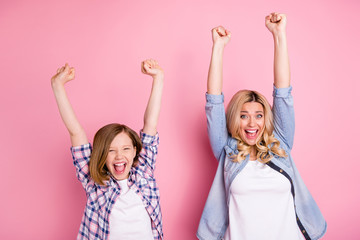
<point x="129" y="219"/>
<point x="261" y="206"/>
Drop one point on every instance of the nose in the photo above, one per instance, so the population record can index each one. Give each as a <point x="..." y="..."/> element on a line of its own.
<point x="118" y="155"/>
<point x="252" y="122"/>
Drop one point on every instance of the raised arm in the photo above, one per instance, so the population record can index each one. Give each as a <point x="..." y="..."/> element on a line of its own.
<point x="152" y="112"/>
<point x="276" y="23"/>
<point x="283" y="107"/>
<point x="215" y="111"/>
<point x="58" y="81"/>
<point x="220" y="37"/>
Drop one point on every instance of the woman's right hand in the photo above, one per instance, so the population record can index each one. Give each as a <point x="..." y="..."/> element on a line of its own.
<point x="220" y="36"/>
<point x="152" y="68"/>
<point x="276" y="23"/>
<point x="63" y="75"/>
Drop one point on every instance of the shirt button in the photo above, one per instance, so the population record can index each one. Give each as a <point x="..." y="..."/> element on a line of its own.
<point x="303" y="231"/>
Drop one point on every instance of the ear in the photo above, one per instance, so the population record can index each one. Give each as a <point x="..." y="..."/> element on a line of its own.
<point x="135" y="163"/>
<point x="134" y="151"/>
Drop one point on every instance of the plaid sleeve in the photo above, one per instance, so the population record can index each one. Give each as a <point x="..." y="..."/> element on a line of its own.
<point x="149" y="150"/>
<point x="81" y="156"/>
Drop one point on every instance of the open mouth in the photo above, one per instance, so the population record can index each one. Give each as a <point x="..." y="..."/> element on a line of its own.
<point x="120" y="167"/>
<point x="251" y="133"/>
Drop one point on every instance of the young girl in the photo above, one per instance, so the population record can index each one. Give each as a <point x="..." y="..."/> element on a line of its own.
<point x="257" y="192"/>
<point x="118" y="172"/>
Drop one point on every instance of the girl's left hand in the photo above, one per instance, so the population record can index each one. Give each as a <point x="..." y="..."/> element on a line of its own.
<point x="276" y="23"/>
<point x="152" y="68"/>
<point x="63" y="75"/>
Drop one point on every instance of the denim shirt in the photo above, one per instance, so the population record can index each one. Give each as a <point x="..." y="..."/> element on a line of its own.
<point x="214" y="219"/>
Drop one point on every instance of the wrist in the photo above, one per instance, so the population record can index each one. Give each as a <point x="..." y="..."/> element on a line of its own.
<point x="57" y="85"/>
<point x="158" y="77"/>
<point x="218" y="46"/>
<point x="218" y="49"/>
<point x="279" y="38"/>
<point x="279" y="34"/>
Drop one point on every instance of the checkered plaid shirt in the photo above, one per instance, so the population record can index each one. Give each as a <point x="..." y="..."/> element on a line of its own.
<point x="100" y="199"/>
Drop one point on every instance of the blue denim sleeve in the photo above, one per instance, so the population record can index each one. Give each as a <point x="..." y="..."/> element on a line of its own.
<point x="284" y="117"/>
<point x="216" y="123"/>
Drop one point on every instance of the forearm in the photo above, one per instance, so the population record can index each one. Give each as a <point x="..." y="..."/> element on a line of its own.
<point x="215" y="75"/>
<point x="77" y="133"/>
<point x="216" y="123"/>
<point x="152" y="111"/>
<point x="284" y="117"/>
<point x="281" y="61"/>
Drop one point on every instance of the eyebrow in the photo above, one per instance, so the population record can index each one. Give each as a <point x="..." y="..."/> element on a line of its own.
<point x="122" y="146"/>
<point x="255" y="112"/>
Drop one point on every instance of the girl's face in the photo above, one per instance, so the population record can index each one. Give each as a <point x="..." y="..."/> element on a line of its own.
<point x="252" y="121"/>
<point x="121" y="156"/>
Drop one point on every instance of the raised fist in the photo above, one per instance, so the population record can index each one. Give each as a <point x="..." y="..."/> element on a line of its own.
<point x="152" y="68"/>
<point x="220" y="35"/>
<point x="276" y="22"/>
<point x="63" y="75"/>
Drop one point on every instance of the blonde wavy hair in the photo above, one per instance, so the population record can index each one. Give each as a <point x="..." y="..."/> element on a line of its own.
<point x="266" y="142"/>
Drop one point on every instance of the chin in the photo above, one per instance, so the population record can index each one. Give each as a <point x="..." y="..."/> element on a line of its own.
<point x="120" y="177"/>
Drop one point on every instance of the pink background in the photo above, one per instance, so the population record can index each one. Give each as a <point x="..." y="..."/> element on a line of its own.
<point x="106" y="41"/>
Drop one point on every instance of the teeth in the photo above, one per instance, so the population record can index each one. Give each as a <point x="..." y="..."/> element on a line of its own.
<point x="251" y="131"/>
<point x="119" y="164"/>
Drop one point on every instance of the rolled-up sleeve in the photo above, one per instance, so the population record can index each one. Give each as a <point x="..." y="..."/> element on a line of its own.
<point x="216" y="123"/>
<point x="284" y="116"/>
<point x="81" y="157"/>
<point x="149" y="151"/>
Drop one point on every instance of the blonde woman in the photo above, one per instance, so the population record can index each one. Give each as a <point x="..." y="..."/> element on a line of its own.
<point x="257" y="192"/>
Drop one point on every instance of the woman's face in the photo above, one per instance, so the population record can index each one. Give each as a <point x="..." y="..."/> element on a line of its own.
<point x="252" y="122"/>
<point x="121" y="156"/>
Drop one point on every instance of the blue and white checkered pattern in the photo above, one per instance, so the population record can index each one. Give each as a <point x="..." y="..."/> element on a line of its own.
<point x="100" y="199"/>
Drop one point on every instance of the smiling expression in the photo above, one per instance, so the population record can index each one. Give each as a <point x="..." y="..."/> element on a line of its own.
<point x="120" y="156"/>
<point x="251" y="122"/>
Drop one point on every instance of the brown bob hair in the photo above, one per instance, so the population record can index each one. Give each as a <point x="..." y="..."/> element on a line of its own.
<point x="266" y="142"/>
<point x="101" y="144"/>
